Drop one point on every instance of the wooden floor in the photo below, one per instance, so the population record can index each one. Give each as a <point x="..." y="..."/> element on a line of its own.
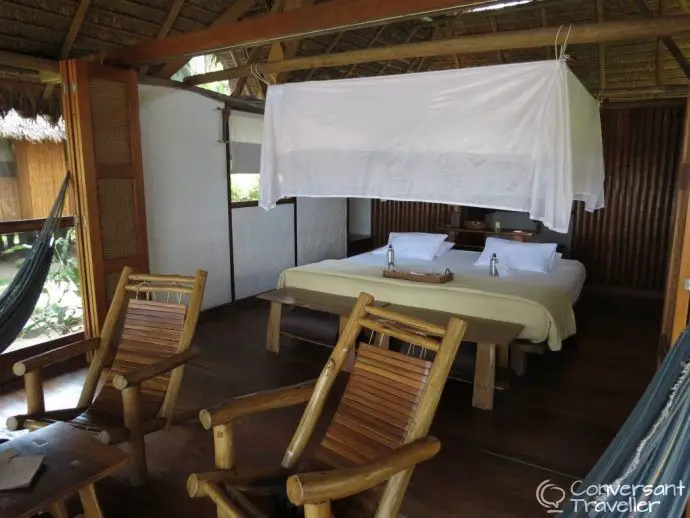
<point x="553" y="424"/>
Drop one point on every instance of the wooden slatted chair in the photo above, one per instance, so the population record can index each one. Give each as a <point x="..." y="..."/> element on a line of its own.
<point x="135" y="377"/>
<point x="377" y="436"/>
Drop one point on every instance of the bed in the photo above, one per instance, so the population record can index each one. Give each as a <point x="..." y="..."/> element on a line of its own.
<point x="542" y="302"/>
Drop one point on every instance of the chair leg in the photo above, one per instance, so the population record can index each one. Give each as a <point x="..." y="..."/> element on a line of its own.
<point x="137" y="447"/>
<point x="322" y="510"/>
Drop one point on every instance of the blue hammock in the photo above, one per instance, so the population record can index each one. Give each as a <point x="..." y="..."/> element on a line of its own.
<point x="18" y="301"/>
<point x="651" y="450"/>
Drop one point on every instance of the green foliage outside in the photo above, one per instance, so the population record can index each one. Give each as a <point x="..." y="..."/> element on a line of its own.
<point x="245" y="188"/>
<point x="59" y="310"/>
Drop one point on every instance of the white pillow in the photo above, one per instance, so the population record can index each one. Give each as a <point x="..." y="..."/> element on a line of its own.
<point x="445" y="246"/>
<point x="393" y="235"/>
<point x="414" y="245"/>
<point x="531" y="257"/>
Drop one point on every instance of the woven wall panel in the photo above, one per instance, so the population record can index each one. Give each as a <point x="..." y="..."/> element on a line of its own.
<point x="110" y="119"/>
<point x="118" y="218"/>
<point x="626" y="244"/>
<point x="406" y="216"/>
<point x="9" y="199"/>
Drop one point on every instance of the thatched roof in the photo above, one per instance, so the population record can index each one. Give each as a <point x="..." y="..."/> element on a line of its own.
<point x="15" y="127"/>
<point x="630" y="69"/>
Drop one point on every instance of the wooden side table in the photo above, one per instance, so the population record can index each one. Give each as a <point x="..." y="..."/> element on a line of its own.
<point x="73" y="461"/>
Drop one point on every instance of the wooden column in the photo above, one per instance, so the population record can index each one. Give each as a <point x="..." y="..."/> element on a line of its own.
<point x="273" y="327"/>
<point x="484" y="377"/>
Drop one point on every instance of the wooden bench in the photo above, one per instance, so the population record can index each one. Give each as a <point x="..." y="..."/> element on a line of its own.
<point x="494" y="338"/>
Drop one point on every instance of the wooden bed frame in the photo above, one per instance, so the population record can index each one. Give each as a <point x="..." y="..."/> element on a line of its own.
<point x="497" y="348"/>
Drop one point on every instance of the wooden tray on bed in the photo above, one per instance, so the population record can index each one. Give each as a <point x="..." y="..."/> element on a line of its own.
<point x="429" y="278"/>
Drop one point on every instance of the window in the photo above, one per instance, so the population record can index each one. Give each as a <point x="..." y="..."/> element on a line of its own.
<point x="245" y="132"/>
<point x="31" y="173"/>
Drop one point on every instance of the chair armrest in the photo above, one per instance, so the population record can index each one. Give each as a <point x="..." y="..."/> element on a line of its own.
<point x="255" y="403"/>
<point x="320" y="486"/>
<point x="55" y="356"/>
<point x="136" y="377"/>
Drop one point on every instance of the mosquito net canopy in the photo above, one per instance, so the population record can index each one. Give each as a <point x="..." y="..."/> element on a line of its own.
<point x="523" y="137"/>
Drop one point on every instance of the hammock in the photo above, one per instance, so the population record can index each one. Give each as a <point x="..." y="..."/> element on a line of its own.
<point x="18" y="301"/>
<point x="651" y="450"/>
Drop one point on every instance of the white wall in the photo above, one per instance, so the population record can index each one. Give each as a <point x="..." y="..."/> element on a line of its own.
<point x="263" y="246"/>
<point x="186" y="187"/>
<point x="321" y="229"/>
<point x="360" y="216"/>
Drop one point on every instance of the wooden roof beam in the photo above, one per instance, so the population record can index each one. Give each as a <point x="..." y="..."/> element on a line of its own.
<point x="332" y="45"/>
<point x="319" y="19"/>
<point x="586" y="33"/>
<point x="371" y="43"/>
<point x="230" y="16"/>
<point x="49" y="70"/>
<point x="667" y="41"/>
<point x="74" y="27"/>
<point x="170" y="18"/>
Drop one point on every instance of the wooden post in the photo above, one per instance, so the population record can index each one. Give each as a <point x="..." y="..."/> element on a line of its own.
<point x="137" y="447"/>
<point x="484" y="376"/>
<point x="273" y="328"/>
<point x="89" y="501"/>
<point x="222" y="446"/>
<point x="34" y="392"/>
<point x="58" y="509"/>
<point x="325" y="381"/>
<point x="322" y="510"/>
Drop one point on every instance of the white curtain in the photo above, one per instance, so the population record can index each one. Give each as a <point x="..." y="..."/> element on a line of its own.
<point x="524" y="137"/>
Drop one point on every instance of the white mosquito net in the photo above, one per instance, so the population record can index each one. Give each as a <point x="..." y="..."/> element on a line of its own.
<point x="523" y="137"/>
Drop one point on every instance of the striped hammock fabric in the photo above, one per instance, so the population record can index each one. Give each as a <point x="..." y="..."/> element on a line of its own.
<point x="645" y="471"/>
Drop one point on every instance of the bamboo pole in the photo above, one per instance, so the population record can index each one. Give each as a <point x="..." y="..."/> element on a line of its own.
<point x="622" y="30"/>
<point x="325" y="381"/>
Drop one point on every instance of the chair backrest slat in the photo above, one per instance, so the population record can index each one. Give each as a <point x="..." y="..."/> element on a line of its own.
<point x="372" y="418"/>
<point x="141" y="345"/>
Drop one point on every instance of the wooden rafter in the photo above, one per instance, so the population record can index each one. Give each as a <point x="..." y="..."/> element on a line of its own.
<point x="586" y="33"/>
<point x="371" y="43"/>
<point x="231" y="15"/>
<point x="545" y="23"/>
<point x="170" y="18"/>
<point x="411" y="35"/>
<point x="331" y="46"/>
<point x="319" y="19"/>
<point x="668" y="41"/>
<point x="289" y="49"/>
<point x="74" y="27"/>
<point x="253" y="56"/>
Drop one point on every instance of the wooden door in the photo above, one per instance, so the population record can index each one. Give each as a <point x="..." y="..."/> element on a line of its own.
<point x="677" y="297"/>
<point x="101" y="107"/>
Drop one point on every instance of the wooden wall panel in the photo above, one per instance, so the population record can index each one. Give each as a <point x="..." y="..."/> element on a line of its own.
<point x="9" y="199"/>
<point x="41" y="168"/>
<point x="626" y="244"/>
<point x="406" y="216"/>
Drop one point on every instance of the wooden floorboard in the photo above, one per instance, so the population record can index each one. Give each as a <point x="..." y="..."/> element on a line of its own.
<point x="553" y="424"/>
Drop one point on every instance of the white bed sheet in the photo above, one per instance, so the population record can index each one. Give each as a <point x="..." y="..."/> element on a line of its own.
<point x="566" y="274"/>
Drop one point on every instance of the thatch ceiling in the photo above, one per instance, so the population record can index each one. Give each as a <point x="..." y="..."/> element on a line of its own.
<point x="635" y="69"/>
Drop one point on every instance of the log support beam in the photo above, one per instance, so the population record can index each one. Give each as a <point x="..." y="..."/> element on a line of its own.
<point x="588" y="33"/>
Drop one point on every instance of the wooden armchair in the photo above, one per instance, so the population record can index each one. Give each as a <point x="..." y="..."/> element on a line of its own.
<point x="136" y="393"/>
<point x="377" y="436"/>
